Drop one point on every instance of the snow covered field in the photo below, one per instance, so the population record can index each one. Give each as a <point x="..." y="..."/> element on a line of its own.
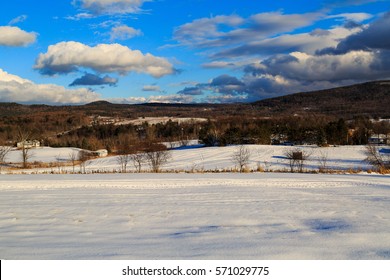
<point x="209" y="158"/>
<point x="195" y="216"/>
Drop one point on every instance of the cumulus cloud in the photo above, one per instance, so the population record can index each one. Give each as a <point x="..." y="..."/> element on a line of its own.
<point x="295" y="72"/>
<point x="12" y="36"/>
<point x="225" y="85"/>
<point x="110" y="7"/>
<point x="124" y="32"/>
<point x="370" y="38"/>
<point x="66" y="57"/>
<point x="16" y="89"/>
<point x="305" y="67"/>
<point x="94" y="80"/>
<point x="351" y="51"/>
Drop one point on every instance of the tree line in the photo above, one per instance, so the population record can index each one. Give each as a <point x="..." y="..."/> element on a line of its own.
<point x="221" y="131"/>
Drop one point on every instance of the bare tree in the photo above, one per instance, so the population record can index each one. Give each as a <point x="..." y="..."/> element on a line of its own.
<point x="323" y="162"/>
<point x="123" y="161"/>
<point x="83" y="156"/>
<point x="26" y="155"/>
<point x="23" y="136"/>
<point x="296" y="158"/>
<point x="138" y="159"/>
<point x="4" y="150"/>
<point x="59" y="162"/>
<point x="72" y="156"/>
<point x="241" y="157"/>
<point x="376" y="158"/>
<point x="157" y="155"/>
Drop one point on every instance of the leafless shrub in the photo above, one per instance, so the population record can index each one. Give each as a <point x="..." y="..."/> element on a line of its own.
<point x="26" y="154"/>
<point x="83" y="156"/>
<point x="4" y="150"/>
<point x="296" y="158"/>
<point x="323" y="162"/>
<point x="241" y="157"/>
<point x="59" y="163"/>
<point x="377" y="159"/>
<point x="138" y="160"/>
<point x="156" y="155"/>
<point x="123" y="161"/>
<point x="72" y="156"/>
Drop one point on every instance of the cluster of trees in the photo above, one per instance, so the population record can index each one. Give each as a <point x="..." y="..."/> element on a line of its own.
<point x="120" y="138"/>
<point x="297" y="130"/>
<point x="153" y="154"/>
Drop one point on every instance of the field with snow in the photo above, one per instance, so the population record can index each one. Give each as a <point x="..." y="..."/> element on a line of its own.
<point x="197" y="216"/>
<point x="196" y="158"/>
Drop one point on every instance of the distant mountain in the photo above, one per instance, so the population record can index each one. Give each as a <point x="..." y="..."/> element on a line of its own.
<point x="372" y="98"/>
<point x="99" y="103"/>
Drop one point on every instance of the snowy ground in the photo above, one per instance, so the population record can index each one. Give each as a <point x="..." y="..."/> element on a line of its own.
<point x="195" y="216"/>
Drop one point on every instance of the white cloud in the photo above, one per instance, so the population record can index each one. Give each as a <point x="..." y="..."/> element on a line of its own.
<point x="151" y="88"/>
<point x="277" y="22"/>
<point x="305" y="67"/>
<point x="66" y="57"/>
<point x="202" y="30"/>
<point x="128" y="100"/>
<point x="221" y="31"/>
<point x="304" y="42"/>
<point x="18" y="19"/>
<point x="12" y="36"/>
<point x="80" y="16"/>
<point x="16" y="89"/>
<point x="358" y="17"/>
<point x="124" y="32"/>
<point x="101" y="7"/>
<point x="173" y="98"/>
<point x="352" y="65"/>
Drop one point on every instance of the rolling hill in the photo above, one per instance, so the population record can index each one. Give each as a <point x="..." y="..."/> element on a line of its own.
<point x="372" y="98"/>
<point x="369" y="99"/>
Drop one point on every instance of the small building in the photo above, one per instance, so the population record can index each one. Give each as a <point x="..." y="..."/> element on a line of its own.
<point x="28" y="144"/>
<point x="101" y="153"/>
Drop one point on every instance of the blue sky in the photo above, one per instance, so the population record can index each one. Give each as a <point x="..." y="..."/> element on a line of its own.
<point x="135" y="51"/>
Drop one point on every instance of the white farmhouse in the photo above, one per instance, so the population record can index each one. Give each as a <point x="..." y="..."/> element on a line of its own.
<point x="101" y="153"/>
<point x="28" y="144"/>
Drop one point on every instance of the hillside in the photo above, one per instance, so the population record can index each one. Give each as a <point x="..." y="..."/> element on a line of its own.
<point x="372" y="98"/>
